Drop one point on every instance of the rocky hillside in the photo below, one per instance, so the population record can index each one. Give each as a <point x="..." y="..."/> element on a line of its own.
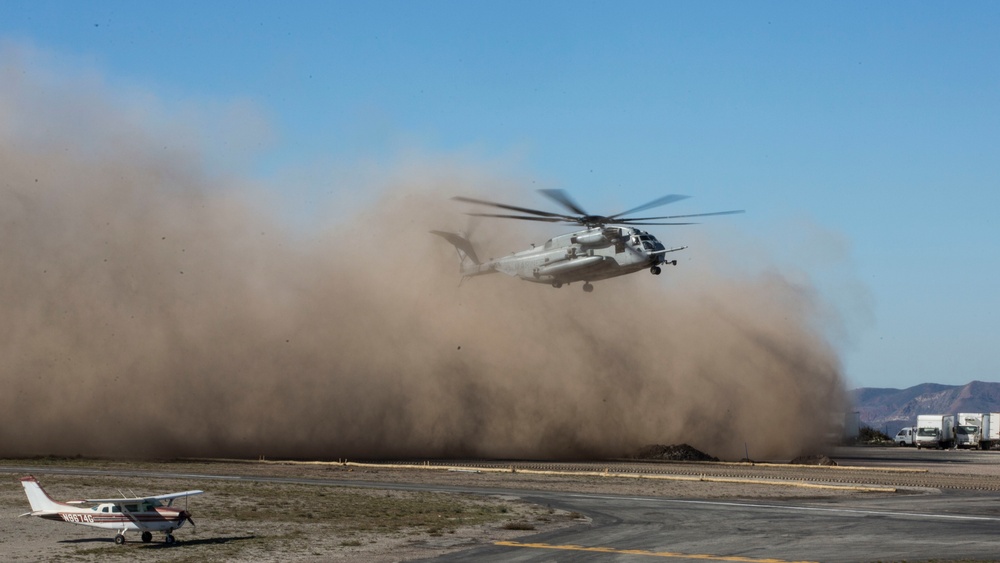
<point x="889" y="410"/>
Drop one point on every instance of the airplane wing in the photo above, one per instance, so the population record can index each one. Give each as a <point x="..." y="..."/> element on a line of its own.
<point x="168" y="496"/>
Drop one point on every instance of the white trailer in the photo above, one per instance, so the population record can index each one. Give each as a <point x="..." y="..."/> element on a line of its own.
<point x="991" y="430"/>
<point x="969" y="429"/>
<point x="935" y="431"/>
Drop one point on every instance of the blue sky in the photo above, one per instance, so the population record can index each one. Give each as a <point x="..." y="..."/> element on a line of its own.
<point x="872" y="128"/>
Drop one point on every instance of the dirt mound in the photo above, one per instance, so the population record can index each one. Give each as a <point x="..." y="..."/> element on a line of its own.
<point x="682" y="452"/>
<point x="812" y="460"/>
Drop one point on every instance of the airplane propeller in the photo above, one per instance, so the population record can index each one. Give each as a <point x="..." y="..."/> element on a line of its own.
<point x="581" y="217"/>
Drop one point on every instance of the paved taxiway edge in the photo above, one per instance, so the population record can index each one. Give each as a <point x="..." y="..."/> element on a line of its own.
<point x="605" y="473"/>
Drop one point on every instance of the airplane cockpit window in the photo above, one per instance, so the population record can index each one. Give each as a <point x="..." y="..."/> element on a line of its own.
<point x="116" y="508"/>
<point x="105" y="509"/>
<point x="131" y="507"/>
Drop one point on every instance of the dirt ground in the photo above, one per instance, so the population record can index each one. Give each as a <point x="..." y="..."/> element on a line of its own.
<point x="252" y="521"/>
<point x="242" y="522"/>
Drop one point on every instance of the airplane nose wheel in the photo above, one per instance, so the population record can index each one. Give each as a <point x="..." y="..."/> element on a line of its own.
<point x="120" y="539"/>
<point x="147" y="537"/>
<point x="587" y="287"/>
<point x="655" y="270"/>
<point x="169" y="539"/>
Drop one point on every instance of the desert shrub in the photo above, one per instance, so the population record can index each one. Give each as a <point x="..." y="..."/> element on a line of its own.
<point x="869" y="435"/>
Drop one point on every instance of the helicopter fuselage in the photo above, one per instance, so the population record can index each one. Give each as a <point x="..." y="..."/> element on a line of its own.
<point x="592" y="254"/>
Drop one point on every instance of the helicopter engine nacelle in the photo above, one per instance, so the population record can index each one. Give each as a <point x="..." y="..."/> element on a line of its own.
<point x="596" y="238"/>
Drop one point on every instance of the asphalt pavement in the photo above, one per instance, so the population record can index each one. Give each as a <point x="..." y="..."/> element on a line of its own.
<point x="914" y="525"/>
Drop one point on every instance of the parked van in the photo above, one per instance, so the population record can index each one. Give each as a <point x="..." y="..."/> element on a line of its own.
<point x="905" y="436"/>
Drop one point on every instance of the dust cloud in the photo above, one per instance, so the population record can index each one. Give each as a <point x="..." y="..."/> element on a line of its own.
<point x="152" y="308"/>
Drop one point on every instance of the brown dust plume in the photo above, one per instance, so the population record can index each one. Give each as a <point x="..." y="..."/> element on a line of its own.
<point x="151" y="308"/>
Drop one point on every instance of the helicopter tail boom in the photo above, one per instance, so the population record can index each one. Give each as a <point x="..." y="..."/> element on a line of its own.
<point x="461" y="244"/>
<point x="469" y="261"/>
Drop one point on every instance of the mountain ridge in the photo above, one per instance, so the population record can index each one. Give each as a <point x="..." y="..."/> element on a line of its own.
<point x="888" y="409"/>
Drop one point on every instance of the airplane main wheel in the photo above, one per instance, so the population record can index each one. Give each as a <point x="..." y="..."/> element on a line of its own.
<point x="588" y="288"/>
<point x="655" y="270"/>
<point x="557" y="285"/>
<point x="147" y="537"/>
<point x="169" y="539"/>
<point x="120" y="539"/>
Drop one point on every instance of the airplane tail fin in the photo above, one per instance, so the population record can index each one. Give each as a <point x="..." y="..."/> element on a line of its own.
<point x="462" y="245"/>
<point x="40" y="500"/>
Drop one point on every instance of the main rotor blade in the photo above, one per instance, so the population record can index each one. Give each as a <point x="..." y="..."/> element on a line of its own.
<point x="563" y="198"/>
<point x="522" y="217"/>
<point x="630" y="219"/>
<point x="655" y="203"/>
<point x="631" y="224"/>
<point x="510" y="207"/>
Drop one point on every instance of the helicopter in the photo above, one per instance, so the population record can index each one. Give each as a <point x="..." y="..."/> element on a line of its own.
<point x="607" y="247"/>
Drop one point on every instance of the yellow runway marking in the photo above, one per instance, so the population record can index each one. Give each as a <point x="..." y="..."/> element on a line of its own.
<point x="643" y="552"/>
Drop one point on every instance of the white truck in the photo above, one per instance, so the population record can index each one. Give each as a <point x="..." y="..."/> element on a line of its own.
<point x="969" y="429"/>
<point x="991" y="430"/>
<point x="935" y="431"/>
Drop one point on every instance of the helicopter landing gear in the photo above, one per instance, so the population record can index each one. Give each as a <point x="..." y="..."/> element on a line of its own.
<point x="655" y="270"/>
<point x="147" y="537"/>
<point x="587" y="287"/>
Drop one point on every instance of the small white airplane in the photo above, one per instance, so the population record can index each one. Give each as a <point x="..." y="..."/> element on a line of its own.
<point x="145" y="514"/>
